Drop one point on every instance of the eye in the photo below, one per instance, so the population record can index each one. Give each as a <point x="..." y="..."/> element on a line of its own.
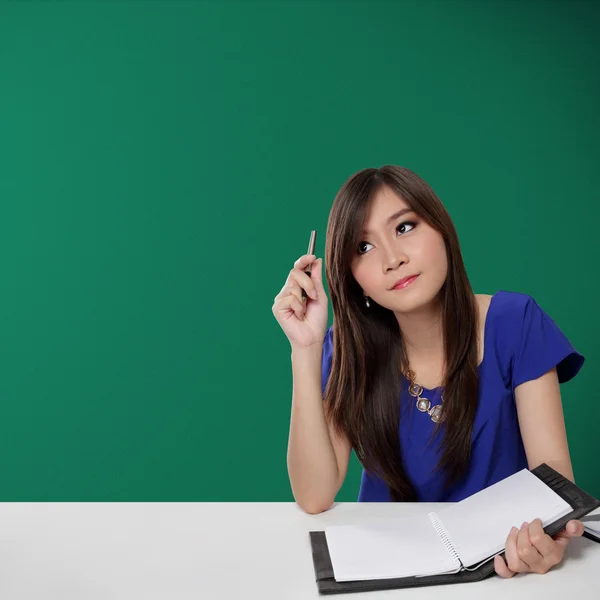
<point x="402" y="228"/>
<point x="404" y="225"/>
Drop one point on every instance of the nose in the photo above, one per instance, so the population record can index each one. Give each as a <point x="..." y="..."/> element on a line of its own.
<point x="393" y="258"/>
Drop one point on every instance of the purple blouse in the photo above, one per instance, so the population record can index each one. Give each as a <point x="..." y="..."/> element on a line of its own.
<point x="521" y="343"/>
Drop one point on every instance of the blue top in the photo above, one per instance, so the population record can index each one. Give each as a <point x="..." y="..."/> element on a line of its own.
<point x="521" y="343"/>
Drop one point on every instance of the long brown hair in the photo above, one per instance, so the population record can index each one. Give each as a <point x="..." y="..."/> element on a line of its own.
<point x="369" y="356"/>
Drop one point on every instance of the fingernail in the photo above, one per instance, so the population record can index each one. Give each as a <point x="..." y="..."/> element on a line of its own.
<point x="571" y="527"/>
<point x="513" y="530"/>
<point x="525" y="525"/>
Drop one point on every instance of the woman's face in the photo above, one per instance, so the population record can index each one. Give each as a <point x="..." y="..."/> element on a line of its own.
<point x="395" y="246"/>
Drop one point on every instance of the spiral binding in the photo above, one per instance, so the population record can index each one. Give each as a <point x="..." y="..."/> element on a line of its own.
<point x="441" y="531"/>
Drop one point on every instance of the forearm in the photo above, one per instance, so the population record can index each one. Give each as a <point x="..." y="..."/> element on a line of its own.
<point x="311" y="460"/>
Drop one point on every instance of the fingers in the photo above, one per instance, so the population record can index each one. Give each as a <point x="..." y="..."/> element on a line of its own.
<point x="292" y="288"/>
<point x="317" y="276"/>
<point x="501" y="568"/>
<point x="289" y="300"/>
<point x="573" y="529"/>
<point x="527" y="552"/>
<point x="303" y="281"/>
<point x="513" y="560"/>
<point x="544" y="544"/>
<point x="289" y="305"/>
<point x="304" y="261"/>
<point x="298" y="280"/>
<point x="529" y="549"/>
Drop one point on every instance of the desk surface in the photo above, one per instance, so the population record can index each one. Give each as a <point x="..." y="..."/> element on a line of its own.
<point x="213" y="551"/>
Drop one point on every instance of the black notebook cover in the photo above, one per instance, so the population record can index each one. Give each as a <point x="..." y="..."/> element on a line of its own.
<point x="581" y="502"/>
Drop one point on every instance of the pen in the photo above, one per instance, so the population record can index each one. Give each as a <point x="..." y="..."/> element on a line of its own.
<point x="311" y="250"/>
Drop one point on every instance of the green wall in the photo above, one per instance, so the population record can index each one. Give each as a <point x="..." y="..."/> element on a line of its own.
<point x="162" y="164"/>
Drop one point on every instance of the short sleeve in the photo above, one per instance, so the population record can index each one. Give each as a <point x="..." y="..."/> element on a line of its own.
<point x="541" y="345"/>
<point x="326" y="359"/>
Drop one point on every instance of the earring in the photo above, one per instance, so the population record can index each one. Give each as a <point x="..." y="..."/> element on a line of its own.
<point x="367" y="301"/>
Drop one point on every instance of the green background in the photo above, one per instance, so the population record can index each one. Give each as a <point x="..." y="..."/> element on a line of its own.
<point x="162" y="165"/>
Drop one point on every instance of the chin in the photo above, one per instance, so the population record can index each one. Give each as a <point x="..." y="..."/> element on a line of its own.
<point x="413" y="300"/>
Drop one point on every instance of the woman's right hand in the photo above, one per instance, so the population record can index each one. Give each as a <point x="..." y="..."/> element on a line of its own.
<point x="303" y="322"/>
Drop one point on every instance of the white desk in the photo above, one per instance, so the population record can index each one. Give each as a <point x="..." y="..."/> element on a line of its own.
<point x="212" y="551"/>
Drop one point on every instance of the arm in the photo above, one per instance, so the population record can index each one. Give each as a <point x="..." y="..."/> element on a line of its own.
<point x="317" y="457"/>
<point x="541" y="420"/>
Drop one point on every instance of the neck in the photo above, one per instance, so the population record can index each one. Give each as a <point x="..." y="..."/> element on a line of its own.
<point x="423" y="333"/>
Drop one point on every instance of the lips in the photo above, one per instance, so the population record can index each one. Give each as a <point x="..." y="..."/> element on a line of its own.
<point x="405" y="281"/>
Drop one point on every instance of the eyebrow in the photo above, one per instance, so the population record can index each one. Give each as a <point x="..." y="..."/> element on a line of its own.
<point x="393" y="217"/>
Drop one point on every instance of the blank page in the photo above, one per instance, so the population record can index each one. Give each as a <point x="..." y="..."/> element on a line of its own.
<point x="390" y="548"/>
<point x="479" y="525"/>
<point x="591" y="523"/>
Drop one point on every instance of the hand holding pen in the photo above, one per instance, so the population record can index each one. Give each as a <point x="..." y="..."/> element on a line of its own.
<point x="301" y="307"/>
<point x="311" y="252"/>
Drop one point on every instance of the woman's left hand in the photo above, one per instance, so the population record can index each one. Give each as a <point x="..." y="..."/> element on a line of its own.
<point x="530" y="550"/>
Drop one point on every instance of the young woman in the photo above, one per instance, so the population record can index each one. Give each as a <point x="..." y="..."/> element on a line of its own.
<point x="439" y="391"/>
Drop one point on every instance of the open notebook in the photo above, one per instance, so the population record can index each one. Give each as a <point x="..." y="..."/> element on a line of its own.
<point x="454" y="544"/>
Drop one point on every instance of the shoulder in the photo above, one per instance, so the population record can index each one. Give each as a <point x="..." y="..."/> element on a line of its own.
<point x="502" y="317"/>
<point x="507" y="313"/>
<point x="508" y="310"/>
<point x="483" y="304"/>
<point x="511" y="303"/>
<point x="527" y="336"/>
<point x="503" y="307"/>
<point x="483" y="299"/>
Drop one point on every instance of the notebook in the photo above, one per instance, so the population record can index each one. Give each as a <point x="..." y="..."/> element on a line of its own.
<point x="591" y="525"/>
<point x="451" y="545"/>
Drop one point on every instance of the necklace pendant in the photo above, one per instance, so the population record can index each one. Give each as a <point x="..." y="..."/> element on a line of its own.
<point x="423" y="404"/>
<point x="415" y="390"/>
<point x="436" y="413"/>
